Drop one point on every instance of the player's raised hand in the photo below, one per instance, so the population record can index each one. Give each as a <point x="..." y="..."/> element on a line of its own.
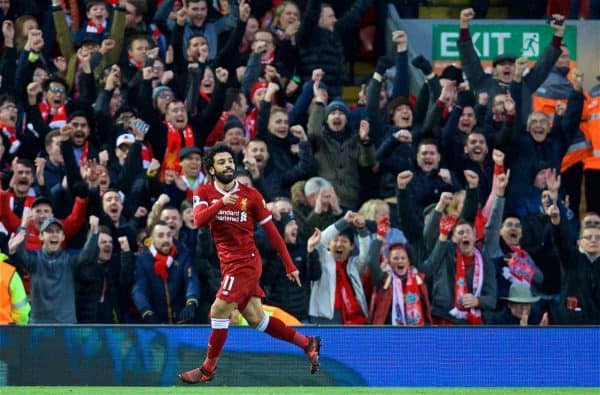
<point x="230" y="198"/>
<point x="295" y="277"/>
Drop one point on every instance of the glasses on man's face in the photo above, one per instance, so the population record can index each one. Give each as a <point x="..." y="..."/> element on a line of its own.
<point x="515" y="225"/>
<point x="591" y="237"/>
<point x="591" y="224"/>
<point x="165" y="95"/>
<point x="56" y="89"/>
<point x="8" y="107"/>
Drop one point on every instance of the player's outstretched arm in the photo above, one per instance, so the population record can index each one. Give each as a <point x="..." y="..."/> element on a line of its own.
<point x="277" y="242"/>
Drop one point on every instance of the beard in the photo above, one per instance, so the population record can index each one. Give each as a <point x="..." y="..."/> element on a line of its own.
<point x="224" y="178"/>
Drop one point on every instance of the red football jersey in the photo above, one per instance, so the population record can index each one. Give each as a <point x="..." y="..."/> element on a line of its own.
<point x="233" y="226"/>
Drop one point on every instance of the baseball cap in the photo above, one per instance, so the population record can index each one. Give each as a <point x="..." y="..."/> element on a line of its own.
<point x="50" y="221"/>
<point x="185" y="151"/>
<point x="126" y="138"/>
<point x="285" y="219"/>
<point x="41" y="200"/>
<point x="504" y="58"/>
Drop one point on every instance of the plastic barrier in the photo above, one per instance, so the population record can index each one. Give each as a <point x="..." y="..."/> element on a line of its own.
<point x="351" y="356"/>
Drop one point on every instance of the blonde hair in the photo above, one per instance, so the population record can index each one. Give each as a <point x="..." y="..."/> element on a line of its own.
<point x="279" y="10"/>
<point x="369" y="209"/>
<point x="274" y="111"/>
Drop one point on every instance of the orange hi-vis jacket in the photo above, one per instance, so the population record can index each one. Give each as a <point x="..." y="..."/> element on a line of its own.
<point x="556" y="89"/>
<point x="6" y="274"/>
<point x="593" y="129"/>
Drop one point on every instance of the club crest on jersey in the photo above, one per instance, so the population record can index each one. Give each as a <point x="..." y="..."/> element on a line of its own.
<point x="244" y="204"/>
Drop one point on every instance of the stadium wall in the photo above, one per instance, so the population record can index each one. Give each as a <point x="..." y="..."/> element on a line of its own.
<point x="351" y="356"/>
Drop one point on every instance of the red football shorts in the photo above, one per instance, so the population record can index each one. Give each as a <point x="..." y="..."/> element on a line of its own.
<point x="240" y="282"/>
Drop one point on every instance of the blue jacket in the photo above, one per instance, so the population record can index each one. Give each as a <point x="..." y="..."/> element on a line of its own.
<point x="149" y="293"/>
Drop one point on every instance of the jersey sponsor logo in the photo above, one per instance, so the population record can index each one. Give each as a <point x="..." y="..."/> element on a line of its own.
<point x="232" y="216"/>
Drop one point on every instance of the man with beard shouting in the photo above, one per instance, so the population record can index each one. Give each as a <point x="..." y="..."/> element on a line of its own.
<point x="231" y="210"/>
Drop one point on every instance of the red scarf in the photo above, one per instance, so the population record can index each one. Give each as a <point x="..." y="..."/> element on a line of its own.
<point x="11" y="134"/>
<point x="113" y="3"/>
<point x="174" y="146"/>
<point x="204" y="95"/>
<point x="268" y="60"/>
<point x="146" y="156"/>
<point x="250" y="124"/>
<point x="59" y="115"/>
<point x="473" y="316"/>
<point x="406" y="307"/>
<point x="156" y="33"/>
<point x="217" y="133"/>
<point x="135" y="63"/>
<point x="93" y="27"/>
<point x="163" y="262"/>
<point x="345" y="300"/>
<point x="85" y="150"/>
<point x="519" y="269"/>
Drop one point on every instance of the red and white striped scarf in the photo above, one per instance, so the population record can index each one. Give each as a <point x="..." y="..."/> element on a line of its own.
<point x="473" y="315"/>
<point x="146" y="156"/>
<point x="406" y="307"/>
<point x="59" y="115"/>
<point x="138" y="64"/>
<point x="11" y="134"/>
<point x="93" y="27"/>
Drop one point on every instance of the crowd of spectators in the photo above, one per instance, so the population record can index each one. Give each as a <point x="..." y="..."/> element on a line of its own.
<point x="474" y="201"/>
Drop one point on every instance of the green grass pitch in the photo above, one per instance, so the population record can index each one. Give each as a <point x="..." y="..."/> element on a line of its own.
<point x="194" y="390"/>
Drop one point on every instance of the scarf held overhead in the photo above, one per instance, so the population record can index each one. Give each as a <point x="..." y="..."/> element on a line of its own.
<point x="519" y="269"/>
<point x="175" y="143"/>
